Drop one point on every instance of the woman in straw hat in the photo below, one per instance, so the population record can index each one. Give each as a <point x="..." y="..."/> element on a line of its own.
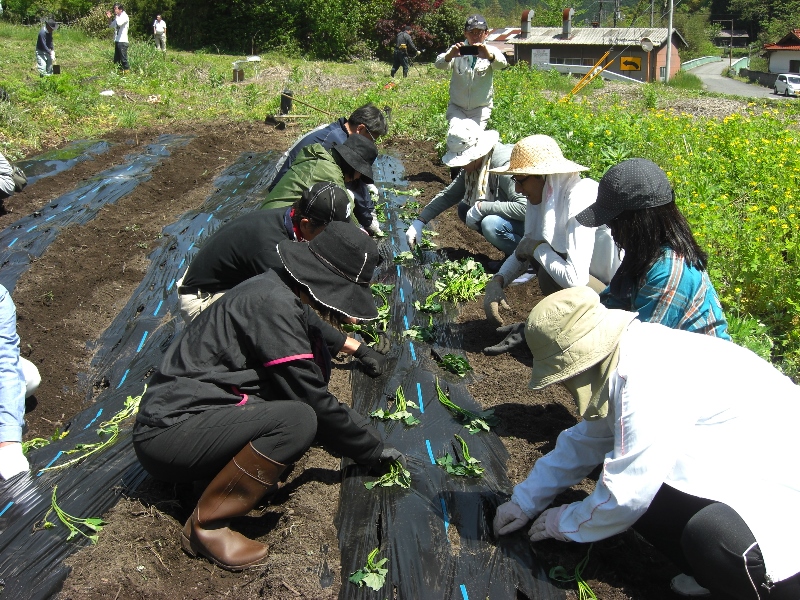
<point x="243" y="391"/>
<point x="562" y="252"/>
<point x="663" y="272"/>
<point x="487" y="203"/>
<point x="688" y="459"/>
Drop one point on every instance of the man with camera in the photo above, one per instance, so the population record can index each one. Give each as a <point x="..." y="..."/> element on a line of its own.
<point x="472" y="63"/>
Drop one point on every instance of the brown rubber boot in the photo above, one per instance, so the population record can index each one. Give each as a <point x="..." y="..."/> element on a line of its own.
<point x="232" y="493"/>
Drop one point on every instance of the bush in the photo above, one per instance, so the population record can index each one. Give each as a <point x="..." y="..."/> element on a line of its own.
<point x="94" y="24"/>
<point x="686" y="81"/>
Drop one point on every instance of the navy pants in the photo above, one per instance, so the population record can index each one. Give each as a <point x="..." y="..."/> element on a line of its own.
<point x="710" y="541"/>
<point x="121" y="55"/>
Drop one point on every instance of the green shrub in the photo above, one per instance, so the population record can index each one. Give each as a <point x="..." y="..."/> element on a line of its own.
<point x="686" y="81"/>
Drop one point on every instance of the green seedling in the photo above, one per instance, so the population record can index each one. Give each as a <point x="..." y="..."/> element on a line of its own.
<point x="108" y="428"/>
<point x="426" y="243"/>
<point x="371" y="331"/>
<point x="420" y="333"/>
<point x="561" y="575"/>
<point x="474" y="422"/>
<point x="400" y="413"/>
<point x="404" y="257"/>
<point x="373" y="575"/>
<point x="413" y="192"/>
<point x="397" y="475"/>
<point x="459" y="281"/>
<point x="35" y="443"/>
<point x="430" y="305"/>
<point x="74" y="524"/>
<point x="455" y="364"/>
<point x="469" y="467"/>
<point x="380" y="212"/>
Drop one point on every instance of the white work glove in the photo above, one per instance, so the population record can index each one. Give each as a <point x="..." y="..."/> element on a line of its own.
<point x="508" y="518"/>
<point x="494" y="299"/>
<point x="414" y="233"/>
<point x="53" y="55"/>
<point x="474" y="217"/>
<point x="373" y="191"/>
<point x="525" y="248"/>
<point x="12" y="461"/>
<point x="374" y="227"/>
<point x="546" y="525"/>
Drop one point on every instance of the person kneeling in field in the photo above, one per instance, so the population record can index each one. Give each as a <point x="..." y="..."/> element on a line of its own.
<point x="696" y="438"/>
<point x="247" y="246"/>
<point x="486" y="203"/>
<point x="243" y="392"/>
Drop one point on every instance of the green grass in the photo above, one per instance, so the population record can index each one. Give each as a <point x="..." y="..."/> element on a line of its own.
<point x="735" y="178"/>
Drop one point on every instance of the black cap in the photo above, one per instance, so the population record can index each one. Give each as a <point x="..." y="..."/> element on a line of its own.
<point x="358" y="152"/>
<point x="51" y="24"/>
<point x="325" y="202"/>
<point x="633" y="184"/>
<point x="475" y="22"/>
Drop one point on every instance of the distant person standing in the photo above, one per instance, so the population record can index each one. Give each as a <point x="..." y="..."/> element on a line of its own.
<point x="402" y="46"/>
<point x="160" y="33"/>
<point x="119" y="23"/>
<point x="472" y="64"/>
<point x="45" y="51"/>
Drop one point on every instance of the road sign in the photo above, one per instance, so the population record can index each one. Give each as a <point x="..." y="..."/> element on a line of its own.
<point x="630" y="63"/>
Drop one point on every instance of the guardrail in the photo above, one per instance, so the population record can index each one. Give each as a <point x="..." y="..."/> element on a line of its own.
<point x="696" y="62"/>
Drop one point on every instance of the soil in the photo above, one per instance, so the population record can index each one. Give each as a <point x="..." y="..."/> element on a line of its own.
<point x="71" y="294"/>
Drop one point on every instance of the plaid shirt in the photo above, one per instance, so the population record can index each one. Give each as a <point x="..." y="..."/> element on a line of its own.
<point x="673" y="294"/>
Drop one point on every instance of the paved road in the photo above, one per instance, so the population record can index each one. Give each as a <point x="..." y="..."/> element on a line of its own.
<point x="713" y="81"/>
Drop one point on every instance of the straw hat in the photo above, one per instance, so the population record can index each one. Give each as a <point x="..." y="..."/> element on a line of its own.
<point x="466" y="141"/>
<point x="538" y="155"/>
<point x="569" y="332"/>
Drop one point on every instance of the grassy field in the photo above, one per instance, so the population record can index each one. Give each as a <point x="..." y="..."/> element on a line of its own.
<point x="735" y="169"/>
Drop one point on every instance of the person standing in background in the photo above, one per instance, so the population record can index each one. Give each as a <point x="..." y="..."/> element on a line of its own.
<point x="119" y="23"/>
<point x="160" y="33"/>
<point x="45" y="51"/>
<point x="403" y="46"/>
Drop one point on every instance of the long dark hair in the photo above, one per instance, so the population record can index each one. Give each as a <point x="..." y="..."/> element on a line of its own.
<point x="642" y="234"/>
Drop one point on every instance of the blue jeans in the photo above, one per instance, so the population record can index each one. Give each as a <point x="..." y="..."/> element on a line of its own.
<point x="12" y="379"/>
<point x="504" y="234"/>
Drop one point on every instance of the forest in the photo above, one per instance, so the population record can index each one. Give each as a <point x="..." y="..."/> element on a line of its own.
<point x="341" y="30"/>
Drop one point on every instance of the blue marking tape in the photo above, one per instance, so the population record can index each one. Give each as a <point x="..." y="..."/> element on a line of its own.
<point x="430" y="451"/>
<point x="390" y="226"/>
<point x="248" y="174"/>
<point x="13" y="242"/>
<point x="9" y="505"/>
<point x="171" y="283"/>
<point x="444" y="515"/>
<point x="50" y="217"/>
<point x="190" y="246"/>
<point x="31" y="229"/>
<point x="219" y="207"/>
<point x="413" y="354"/>
<point x="123" y="378"/>
<point x="419" y="398"/>
<point x="234" y="191"/>
<point x="144" y="337"/>
<point x="402" y="295"/>
<point x="55" y="458"/>
<point x="199" y="233"/>
<point x="405" y="321"/>
<point x="97" y="416"/>
<point x="211" y="216"/>
<point x="464" y="592"/>
<point x="67" y="208"/>
<point x="183" y="260"/>
<point x="129" y="168"/>
<point x="398" y="270"/>
<point x="158" y="308"/>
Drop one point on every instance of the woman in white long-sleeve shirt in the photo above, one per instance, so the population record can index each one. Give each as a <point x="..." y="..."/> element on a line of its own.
<point x="563" y="252"/>
<point x="697" y="441"/>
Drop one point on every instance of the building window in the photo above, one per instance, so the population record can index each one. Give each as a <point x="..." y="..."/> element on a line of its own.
<point x="588" y="62"/>
<point x="662" y="73"/>
<point x="567" y="61"/>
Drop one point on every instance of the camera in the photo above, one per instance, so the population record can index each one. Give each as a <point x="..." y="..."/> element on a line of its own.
<point x="469" y="50"/>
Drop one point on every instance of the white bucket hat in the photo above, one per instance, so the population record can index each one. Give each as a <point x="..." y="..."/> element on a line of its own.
<point x="538" y="155"/>
<point x="466" y="141"/>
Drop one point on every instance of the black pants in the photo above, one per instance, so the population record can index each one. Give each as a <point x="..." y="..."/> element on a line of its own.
<point x="198" y="448"/>
<point x="710" y="541"/>
<point x="400" y="60"/>
<point x="121" y="55"/>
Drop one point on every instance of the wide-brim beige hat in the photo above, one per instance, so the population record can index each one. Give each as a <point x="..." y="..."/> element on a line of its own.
<point x="538" y="155"/>
<point x="569" y="332"/>
<point x="466" y="141"/>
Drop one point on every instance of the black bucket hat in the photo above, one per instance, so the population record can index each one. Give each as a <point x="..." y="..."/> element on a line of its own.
<point x="633" y="184"/>
<point x="52" y="24"/>
<point x="358" y="152"/>
<point x="325" y="202"/>
<point x="336" y="267"/>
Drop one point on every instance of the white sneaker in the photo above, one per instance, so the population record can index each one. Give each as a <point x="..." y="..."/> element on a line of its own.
<point x="685" y="585"/>
<point x="12" y="461"/>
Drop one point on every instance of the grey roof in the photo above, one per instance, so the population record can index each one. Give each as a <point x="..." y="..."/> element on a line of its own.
<point x="595" y="36"/>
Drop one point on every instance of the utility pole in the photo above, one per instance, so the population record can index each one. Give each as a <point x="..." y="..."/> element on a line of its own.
<point x="669" y="43"/>
<point x="652" y="10"/>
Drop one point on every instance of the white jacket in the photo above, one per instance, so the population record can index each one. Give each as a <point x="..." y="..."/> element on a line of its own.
<point x="699" y="413"/>
<point x="120" y="25"/>
<point x="471" y="86"/>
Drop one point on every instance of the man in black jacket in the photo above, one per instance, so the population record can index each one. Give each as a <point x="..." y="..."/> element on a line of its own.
<point x="403" y="46"/>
